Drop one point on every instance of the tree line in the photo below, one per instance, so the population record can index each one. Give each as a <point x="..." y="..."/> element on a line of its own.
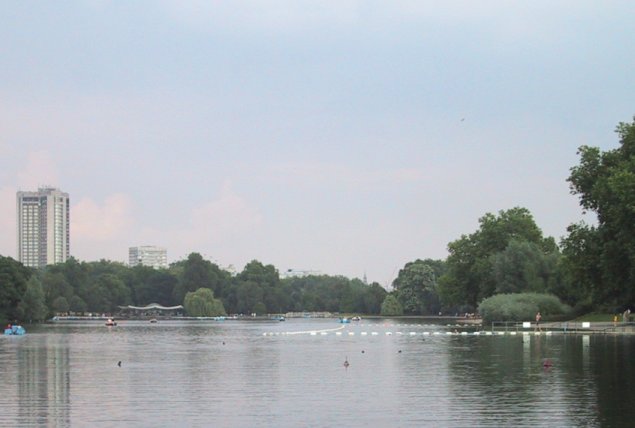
<point x="201" y="286"/>
<point x="591" y="268"/>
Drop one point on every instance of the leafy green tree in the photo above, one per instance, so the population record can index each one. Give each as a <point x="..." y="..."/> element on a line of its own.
<point x="259" y="308"/>
<point x="416" y="288"/>
<point x="201" y="303"/>
<point x="56" y="285"/>
<point x="469" y="277"/>
<point x="78" y="305"/>
<point x="267" y="279"/>
<point x="60" y="305"/>
<point x="391" y="307"/>
<point x="524" y="267"/>
<point x="13" y="283"/>
<point x="372" y="299"/>
<point x="32" y="307"/>
<point x="248" y="294"/>
<point x="196" y="272"/>
<point x="154" y="286"/>
<point x="106" y="292"/>
<point x="605" y="184"/>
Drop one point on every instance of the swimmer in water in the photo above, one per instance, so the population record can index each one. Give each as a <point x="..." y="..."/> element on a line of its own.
<point x="346" y="363"/>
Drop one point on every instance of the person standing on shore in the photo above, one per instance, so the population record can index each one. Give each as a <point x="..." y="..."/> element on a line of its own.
<point x="538" y="318"/>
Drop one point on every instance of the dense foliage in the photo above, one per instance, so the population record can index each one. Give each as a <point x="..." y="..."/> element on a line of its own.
<point x="521" y="307"/>
<point x="502" y="268"/>
<point x="103" y="286"/>
<point x="601" y="259"/>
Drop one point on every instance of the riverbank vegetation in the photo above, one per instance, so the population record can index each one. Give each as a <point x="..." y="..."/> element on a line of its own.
<point x="506" y="269"/>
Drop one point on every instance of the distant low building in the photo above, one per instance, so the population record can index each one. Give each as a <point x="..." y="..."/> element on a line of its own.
<point x="148" y="255"/>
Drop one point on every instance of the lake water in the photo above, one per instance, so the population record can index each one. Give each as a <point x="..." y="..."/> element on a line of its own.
<point x="253" y="374"/>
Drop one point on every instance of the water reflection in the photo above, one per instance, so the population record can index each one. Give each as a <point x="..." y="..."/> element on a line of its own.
<point x="43" y="383"/>
<point x="215" y="374"/>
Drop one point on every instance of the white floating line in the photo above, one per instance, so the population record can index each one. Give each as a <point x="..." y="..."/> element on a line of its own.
<point x="338" y="333"/>
<point x="363" y="333"/>
<point x="374" y="333"/>
<point x="412" y="333"/>
<point x="389" y="333"/>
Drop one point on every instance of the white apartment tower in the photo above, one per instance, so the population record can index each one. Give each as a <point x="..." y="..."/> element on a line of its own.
<point x="148" y="255"/>
<point x="43" y="227"/>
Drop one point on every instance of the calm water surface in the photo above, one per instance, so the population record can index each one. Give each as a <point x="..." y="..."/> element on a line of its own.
<point x="248" y="374"/>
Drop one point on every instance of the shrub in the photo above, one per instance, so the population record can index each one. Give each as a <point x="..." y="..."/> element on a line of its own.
<point x="521" y="307"/>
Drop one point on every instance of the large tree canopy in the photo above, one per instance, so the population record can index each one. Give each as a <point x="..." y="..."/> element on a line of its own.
<point x="13" y="284"/>
<point x="470" y="265"/>
<point x="416" y="287"/>
<point x="602" y="258"/>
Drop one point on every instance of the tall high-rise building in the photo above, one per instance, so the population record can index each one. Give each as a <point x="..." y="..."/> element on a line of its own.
<point x="43" y="227"/>
<point x="148" y="255"/>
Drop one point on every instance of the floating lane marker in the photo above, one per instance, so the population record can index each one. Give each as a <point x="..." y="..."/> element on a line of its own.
<point x="364" y="333"/>
<point x="338" y="333"/>
<point x="351" y="333"/>
<point x="313" y="332"/>
<point x="500" y="333"/>
<point x="412" y="333"/>
<point x="389" y="333"/>
<point x="374" y="333"/>
<point x="426" y="333"/>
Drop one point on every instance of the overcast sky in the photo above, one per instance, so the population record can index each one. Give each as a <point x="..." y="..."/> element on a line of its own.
<point x="346" y="137"/>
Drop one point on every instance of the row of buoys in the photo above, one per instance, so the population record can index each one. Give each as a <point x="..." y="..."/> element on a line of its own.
<point x="414" y="333"/>
<point x="411" y="325"/>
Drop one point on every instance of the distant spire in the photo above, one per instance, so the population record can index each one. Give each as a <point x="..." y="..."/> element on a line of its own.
<point x="365" y="280"/>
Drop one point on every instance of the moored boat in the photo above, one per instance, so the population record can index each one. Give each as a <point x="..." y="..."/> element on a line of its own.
<point x="14" y="330"/>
